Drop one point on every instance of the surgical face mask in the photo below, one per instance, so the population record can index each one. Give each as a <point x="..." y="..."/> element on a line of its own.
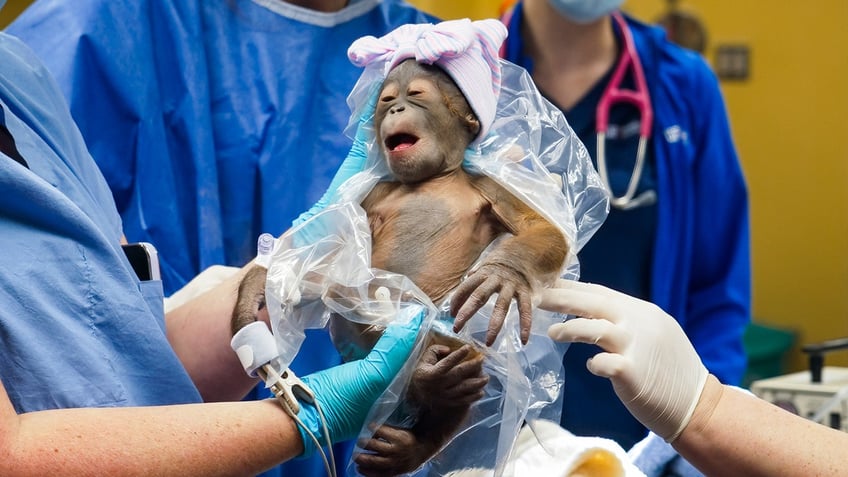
<point x="585" y="11"/>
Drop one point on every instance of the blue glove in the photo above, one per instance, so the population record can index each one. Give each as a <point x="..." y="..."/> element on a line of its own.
<point x="347" y="392"/>
<point x="353" y="163"/>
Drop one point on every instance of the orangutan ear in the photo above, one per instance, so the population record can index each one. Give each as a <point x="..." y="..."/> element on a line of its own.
<point x="473" y="124"/>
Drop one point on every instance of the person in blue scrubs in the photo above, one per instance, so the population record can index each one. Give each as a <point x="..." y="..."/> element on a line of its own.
<point x="687" y="250"/>
<point x="212" y="121"/>
<point x="79" y="329"/>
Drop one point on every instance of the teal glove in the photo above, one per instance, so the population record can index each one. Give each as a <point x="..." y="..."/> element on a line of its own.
<point x="353" y="164"/>
<point x="347" y="392"/>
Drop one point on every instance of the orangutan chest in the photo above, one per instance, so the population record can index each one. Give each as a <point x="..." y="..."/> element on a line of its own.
<point x="431" y="239"/>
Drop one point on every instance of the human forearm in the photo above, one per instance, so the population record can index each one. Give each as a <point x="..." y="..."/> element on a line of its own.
<point x="732" y="432"/>
<point x="199" y="332"/>
<point x="240" y="438"/>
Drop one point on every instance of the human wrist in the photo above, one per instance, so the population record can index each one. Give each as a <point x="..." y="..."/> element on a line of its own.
<point x="287" y="430"/>
<point x="699" y="422"/>
<point x="310" y="429"/>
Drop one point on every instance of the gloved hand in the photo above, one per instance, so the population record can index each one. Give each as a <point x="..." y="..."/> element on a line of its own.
<point x="347" y="392"/>
<point x="653" y="367"/>
<point x="353" y="163"/>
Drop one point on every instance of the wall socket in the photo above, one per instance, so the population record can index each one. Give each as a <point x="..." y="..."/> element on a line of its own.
<point x="733" y="62"/>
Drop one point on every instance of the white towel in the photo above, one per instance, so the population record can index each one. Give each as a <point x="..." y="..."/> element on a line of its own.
<point x="204" y="281"/>
<point x="554" y="452"/>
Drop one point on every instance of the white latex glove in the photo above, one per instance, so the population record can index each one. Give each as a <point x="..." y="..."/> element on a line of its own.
<point x="653" y="367"/>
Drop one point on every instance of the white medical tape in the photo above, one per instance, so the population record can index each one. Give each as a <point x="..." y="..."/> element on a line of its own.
<point x="255" y="346"/>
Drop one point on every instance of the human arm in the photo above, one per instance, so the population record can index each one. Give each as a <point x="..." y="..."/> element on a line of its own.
<point x="533" y="253"/>
<point x="731" y="429"/>
<point x="165" y="440"/>
<point x="236" y="438"/>
<point x="657" y="374"/>
<point x="199" y="332"/>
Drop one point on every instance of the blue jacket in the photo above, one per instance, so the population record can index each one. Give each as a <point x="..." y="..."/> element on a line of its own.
<point x="702" y="259"/>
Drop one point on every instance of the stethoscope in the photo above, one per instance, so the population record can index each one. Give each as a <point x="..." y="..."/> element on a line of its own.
<point x="613" y="94"/>
<point x="639" y="98"/>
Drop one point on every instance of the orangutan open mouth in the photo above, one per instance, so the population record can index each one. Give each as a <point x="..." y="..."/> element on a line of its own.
<point x="400" y="141"/>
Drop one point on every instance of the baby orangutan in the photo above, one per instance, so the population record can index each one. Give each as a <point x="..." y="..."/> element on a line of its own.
<point x="431" y="222"/>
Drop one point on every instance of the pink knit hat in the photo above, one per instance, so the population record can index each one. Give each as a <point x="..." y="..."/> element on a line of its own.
<point x="466" y="50"/>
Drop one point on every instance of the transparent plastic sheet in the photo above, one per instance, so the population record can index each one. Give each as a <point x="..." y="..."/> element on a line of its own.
<point x="321" y="269"/>
<point x="530" y="150"/>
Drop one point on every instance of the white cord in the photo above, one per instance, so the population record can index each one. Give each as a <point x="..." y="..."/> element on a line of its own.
<point x="329" y="463"/>
<point x="326" y="437"/>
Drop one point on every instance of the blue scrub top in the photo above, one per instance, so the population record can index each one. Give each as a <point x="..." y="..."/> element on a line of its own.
<point x="77" y="328"/>
<point x="619" y="255"/>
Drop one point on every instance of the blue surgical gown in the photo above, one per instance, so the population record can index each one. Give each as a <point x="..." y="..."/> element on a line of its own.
<point x="77" y="328"/>
<point x="212" y="121"/>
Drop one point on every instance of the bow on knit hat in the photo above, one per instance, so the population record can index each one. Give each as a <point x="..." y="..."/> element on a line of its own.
<point x="467" y="51"/>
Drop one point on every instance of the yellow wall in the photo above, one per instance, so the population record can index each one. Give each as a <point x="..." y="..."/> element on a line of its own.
<point x="474" y="9"/>
<point x="789" y="122"/>
<point x="12" y="9"/>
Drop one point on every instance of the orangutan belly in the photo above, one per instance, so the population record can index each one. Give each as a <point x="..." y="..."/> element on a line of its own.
<point x="431" y="240"/>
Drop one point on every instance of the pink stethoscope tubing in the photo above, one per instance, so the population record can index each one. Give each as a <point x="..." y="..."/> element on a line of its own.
<point x="639" y="98"/>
